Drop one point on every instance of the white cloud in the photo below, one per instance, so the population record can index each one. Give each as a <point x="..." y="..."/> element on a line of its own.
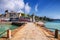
<point x="10" y="6"/>
<point x="36" y="7"/>
<point x="27" y="8"/>
<point x="20" y="11"/>
<point x="14" y="5"/>
<point x="19" y="3"/>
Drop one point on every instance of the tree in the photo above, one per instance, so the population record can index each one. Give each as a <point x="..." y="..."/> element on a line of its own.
<point x="6" y="10"/>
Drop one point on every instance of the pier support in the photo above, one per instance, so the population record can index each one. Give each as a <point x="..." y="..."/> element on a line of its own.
<point x="56" y="33"/>
<point x="9" y="34"/>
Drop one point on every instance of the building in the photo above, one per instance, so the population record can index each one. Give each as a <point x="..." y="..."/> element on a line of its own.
<point x="12" y="14"/>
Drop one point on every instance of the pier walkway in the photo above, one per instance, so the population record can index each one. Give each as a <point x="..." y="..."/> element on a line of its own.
<point x="30" y="32"/>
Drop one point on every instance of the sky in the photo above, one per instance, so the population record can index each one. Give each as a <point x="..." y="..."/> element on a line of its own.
<point x="49" y="8"/>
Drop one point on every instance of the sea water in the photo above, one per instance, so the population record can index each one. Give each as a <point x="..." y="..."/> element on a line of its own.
<point x="52" y="25"/>
<point x="5" y="27"/>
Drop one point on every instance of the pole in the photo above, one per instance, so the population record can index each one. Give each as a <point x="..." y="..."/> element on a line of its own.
<point x="56" y="33"/>
<point x="8" y="33"/>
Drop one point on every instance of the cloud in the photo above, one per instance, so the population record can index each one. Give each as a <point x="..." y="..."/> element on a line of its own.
<point x="14" y="5"/>
<point x="36" y="7"/>
<point x="20" y="11"/>
<point x="9" y="6"/>
<point x="19" y="3"/>
<point x="27" y="8"/>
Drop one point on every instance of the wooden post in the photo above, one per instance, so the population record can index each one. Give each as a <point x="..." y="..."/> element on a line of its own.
<point x="33" y="17"/>
<point x="9" y="34"/>
<point x="56" y="33"/>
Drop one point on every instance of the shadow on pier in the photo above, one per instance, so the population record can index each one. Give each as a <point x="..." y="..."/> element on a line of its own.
<point x="18" y="23"/>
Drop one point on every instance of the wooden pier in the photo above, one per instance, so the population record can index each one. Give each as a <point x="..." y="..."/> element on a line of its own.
<point x="30" y="32"/>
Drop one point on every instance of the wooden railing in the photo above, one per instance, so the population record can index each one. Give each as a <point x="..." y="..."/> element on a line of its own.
<point x="1" y="34"/>
<point x="56" y="32"/>
<point x="8" y="33"/>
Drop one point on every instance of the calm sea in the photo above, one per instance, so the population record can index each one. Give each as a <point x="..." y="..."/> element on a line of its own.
<point x="4" y="28"/>
<point x="53" y="25"/>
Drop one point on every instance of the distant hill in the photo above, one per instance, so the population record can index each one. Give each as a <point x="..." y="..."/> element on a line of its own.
<point x="56" y="19"/>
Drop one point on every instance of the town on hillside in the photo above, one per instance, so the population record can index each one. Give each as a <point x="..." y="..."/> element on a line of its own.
<point x="14" y="16"/>
<point x="18" y="16"/>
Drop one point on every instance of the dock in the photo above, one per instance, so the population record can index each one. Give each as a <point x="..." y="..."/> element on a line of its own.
<point x="30" y="32"/>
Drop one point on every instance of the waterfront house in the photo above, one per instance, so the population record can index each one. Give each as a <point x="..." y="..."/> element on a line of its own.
<point x="13" y="16"/>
